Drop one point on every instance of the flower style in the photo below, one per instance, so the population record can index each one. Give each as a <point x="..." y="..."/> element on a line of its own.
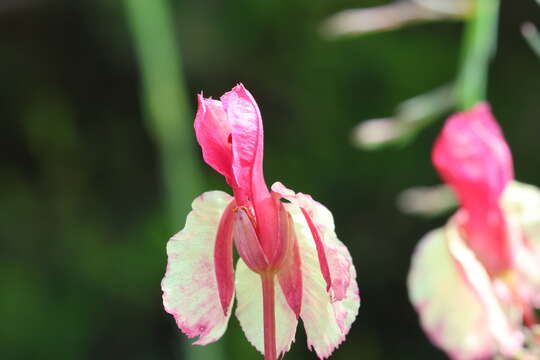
<point x="291" y="263"/>
<point x="476" y="282"/>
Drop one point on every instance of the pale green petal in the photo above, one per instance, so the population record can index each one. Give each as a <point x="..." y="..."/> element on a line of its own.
<point x="521" y="203"/>
<point x="326" y="322"/>
<point x="452" y="313"/>
<point x="189" y="287"/>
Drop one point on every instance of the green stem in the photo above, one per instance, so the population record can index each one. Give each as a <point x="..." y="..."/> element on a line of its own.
<point x="479" y="45"/>
<point x="168" y="117"/>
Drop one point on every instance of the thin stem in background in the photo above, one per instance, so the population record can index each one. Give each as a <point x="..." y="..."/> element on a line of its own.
<point x="168" y="118"/>
<point x="479" y="46"/>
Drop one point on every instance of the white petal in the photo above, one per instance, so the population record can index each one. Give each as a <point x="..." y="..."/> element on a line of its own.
<point x="249" y="310"/>
<point x="521" y="203"/>
<point x="326" y="322"/>
<point x="189" y="287"/>
<point x="455" y="300"/>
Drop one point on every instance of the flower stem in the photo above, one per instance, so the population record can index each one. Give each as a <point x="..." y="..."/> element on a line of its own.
<point x="478" y="47"/>
<point x="269" y="314"/>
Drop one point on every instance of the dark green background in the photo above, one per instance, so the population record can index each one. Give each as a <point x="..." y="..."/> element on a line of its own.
<point x="82" y="226"/>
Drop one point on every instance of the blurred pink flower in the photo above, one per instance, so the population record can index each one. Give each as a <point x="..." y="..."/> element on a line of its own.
<point x="291" y="262"/>
<point x="475" y="282"/>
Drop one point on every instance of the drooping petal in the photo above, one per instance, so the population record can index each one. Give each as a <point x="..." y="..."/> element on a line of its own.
<point x="190" y="291"/>
<point x="472" y="157"/>
<point x="334" y="265"/>
<point x="213" y="131"/>
<point x="249" y="311"/>
<point x="455" y="300"/>
<point x="247" y="141"/>
<point x="522" y="201"/>
<point x="521" y="204"/>
<point x="504" y="325"/>
<point x="321" y="249"/>
<point x="327" y="318"/>
<point x="223" y="257"/>
<point x="290" y="273"/>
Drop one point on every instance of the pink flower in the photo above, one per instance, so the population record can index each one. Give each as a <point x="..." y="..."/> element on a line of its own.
<point x="475" y="282"/>
<point x="291" y="264"/>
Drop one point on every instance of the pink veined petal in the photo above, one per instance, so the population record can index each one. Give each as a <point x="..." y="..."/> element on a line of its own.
<point x="247" y="142"/>
<point x="213" y="131"/>
<point x="327" y="321"/>
<point x="190" y="291"/>
<point x="321" y="253"/>
<point x="249" y="311"/>
<point x="334" y="265"/>
<point x="223" y="257"/>
<point x="472" y="157"/>
<point x="455" y="300"/>
<point x="290" y="273"/>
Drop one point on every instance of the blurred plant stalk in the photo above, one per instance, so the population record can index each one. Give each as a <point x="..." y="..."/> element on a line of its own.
<point x="479" y="45"/>
<point x="394" y="16"/>
<point x="168" y="119"/>
<point x="413" y="115"/>
<point x="427" y="201"/>
<point x="410" y="118"/>
<point x="531" y="34"/>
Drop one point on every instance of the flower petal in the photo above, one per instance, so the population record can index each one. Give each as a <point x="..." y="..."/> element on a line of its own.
<point x="455" y="300"/>
<point x="190" y="291"/>
<point x="247" y="242"/>
<point x="334" y="266"/>
<point x="213" y="131"/>
<point x="247" y="142"/>
<point x="249" y="311"/>
<point x="521" y="204"/>
<point x="223" y="257"/>
<point x="472" y="157"/>
<point x="522" y="201"/>
<point x="327" y="319"/>
<point x="471" y="154"/>
<point x="290" y="273"/>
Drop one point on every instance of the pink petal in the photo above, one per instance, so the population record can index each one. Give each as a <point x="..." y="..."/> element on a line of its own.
<point x="247" y="143"/>
<point x="247" y="242"/>
<point x="213" y="131"/>
<point x="190" y="290"/>
<point x="456" y="301"/>
<point x="249" y="311"/>
<point x="321" y="253"/>
<point x="327" y="319"/>
<point x="290" y="273"/>
<point x="472" y="157"/>
<point x="223" y="257"/>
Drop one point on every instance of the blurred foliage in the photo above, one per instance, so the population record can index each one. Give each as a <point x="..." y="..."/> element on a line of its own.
<point x="82" y="221"/>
